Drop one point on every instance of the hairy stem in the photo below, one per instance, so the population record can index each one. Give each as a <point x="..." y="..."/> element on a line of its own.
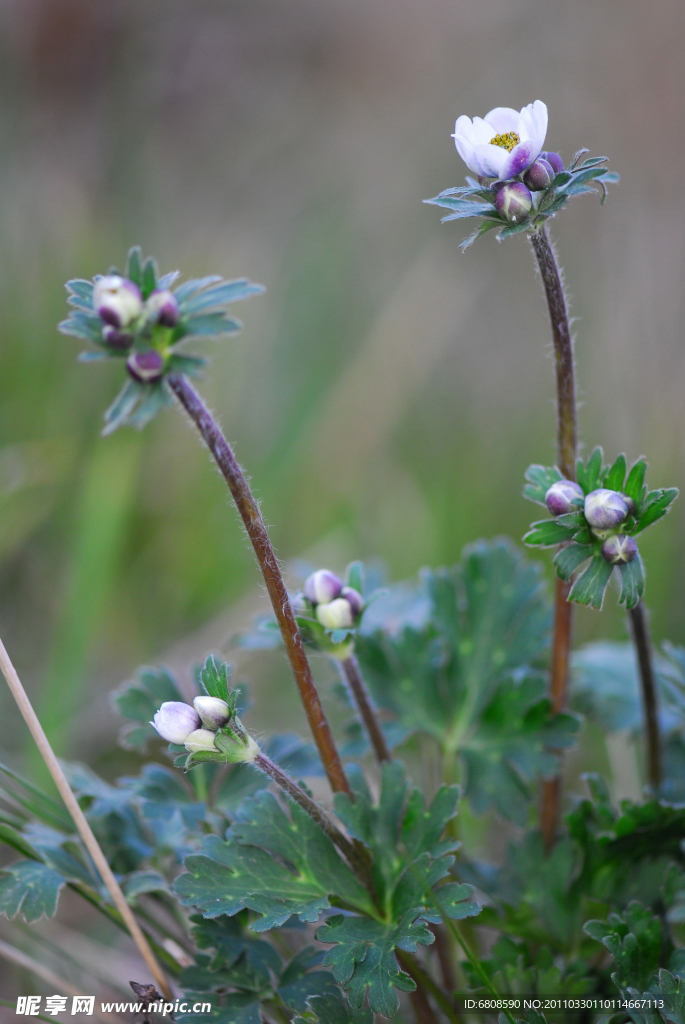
<point x="567" y="443"/>
<point x="271" y="571"/>
<point x="348" y="849"/>
<point x="639" y="623"/>
<point x="89" y="841"/>
<point x="362" y="698"/>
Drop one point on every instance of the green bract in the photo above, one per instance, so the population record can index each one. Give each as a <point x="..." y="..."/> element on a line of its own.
<point x="580" y="542"/>
<point x="477" y="199"/>
<point x="201" y="314"/>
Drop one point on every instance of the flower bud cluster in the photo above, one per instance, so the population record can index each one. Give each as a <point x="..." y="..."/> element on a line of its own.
<point x="335" y="605"/>
<point x="119" y="304"/>
<point x="208" y="726"/>
<point x="604" y="510"/>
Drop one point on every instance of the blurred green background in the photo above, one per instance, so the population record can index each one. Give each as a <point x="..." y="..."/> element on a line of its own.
<point x="388" y="392"/>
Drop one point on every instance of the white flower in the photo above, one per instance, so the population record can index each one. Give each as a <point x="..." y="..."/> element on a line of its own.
<point x="175" y="721"/>
<point x="117" y="300"/>
<point x="504" y="143"/>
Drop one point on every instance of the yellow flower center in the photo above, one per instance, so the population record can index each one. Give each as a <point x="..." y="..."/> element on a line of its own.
<point x="506" y="141"/>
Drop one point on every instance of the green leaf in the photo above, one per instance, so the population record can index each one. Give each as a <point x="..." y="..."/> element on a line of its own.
<point x="482" y="229"/>
<point x="589" y="588"/>
<point x="156" y="397"/>
<point x="355" y="576"/>
<point x="81" y="289"/>
<point x="635" y="482"/>
<point x="363" y="958"/>
<point x="569" y="558"/>
<point x="298" y="983"/>
<point x="540" y="479"/>
<point x="208" y="325"/>
<point x="632" y="582"/>
<point x="220" y="294"/>
<point x="12" y="837"/>
<point x="634" y="940"/>
<point x="615" y="476"/>
<point x="249" y="870"/>
<point x="29" y="888"/>
<point x="188" y="288"/>
<point x="656" y="506"/>
<point x="462" y="207"/>
<point x="454" y="901"/>
<point x="215" y="679"/>
<point x="122" y="406"/>
<point x="79" y="325"/>
<point x="673" y="993"/>
<point x="548" y="533"/>
<point x="513" y="229"/>
<point x="133" y="269"/>
<point x="333" y="1009"/>
<point x="149" y="277"/>
<point x="588" y="474"/>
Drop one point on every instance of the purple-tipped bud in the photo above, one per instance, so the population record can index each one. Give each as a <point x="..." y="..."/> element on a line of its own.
<point x="605" y="510"/>
<point x="514" y="202"/>
<point x="116" y="339"/>
<point x="619" y="549"/>
<point x="163" y="307"/>
<point x="539" y="175"/>
<point x="116" y="300"/>
<point x="497" y="185"/>
<point x="213" y="711"/>
<point x="175" y="721"/>
<point x="146" y="367"/>
<point x="322" y="586"/>
<point x="554" y="160"/>
<point x="201" y="739"/>
<point x="336" y="614"/>
<point x="354" y="599"/>
<point x="560" y="496"/>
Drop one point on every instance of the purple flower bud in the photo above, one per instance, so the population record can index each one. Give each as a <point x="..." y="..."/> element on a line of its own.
<point x="175" y="721"/>
<point x="497" y="185"/>
<point x="560" y="496"/>
<point x="619" y="549"/>
<point x="200" y="739"/>
<point x="354" y="599"/>
<point x="116" y="339"/>
<point x="539" y="175"/>
<point x="336" y="614"/>
<point x="322" y="586"/>
<point x="163" y="307"/>
<point x="554" y="160"/>
<point x="514" y="202"/>
<point x="604" y="509"/>
<point x="213" y="711"/>
<point x="146" y="367"/>
<point x="116" y="300"/>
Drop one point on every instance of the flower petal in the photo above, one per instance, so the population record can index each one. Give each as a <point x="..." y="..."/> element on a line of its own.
<point x="533" y="123"/>
<point x="488" y="160"/>
<point x="503" y="119"/>
<point x="482" y="131"/>
<point x="520" y="158"/>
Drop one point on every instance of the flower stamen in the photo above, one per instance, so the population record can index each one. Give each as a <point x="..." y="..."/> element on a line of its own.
<point x="506" y="141"/>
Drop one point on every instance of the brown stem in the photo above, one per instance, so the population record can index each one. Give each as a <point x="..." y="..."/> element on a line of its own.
<point x="352" y="674"/>
<point x="271" y="571"/>
<point x="567" y="443"/>
<point x="424" y="1012"/>
<point x="315" y="811"/>
<point x="639" y="622"/>
<point x="442" y="948"/>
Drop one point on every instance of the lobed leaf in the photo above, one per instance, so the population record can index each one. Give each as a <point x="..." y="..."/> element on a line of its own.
<point x="540" y="479"/>
<point x="30" y="888"/>
<point x="589" y="588"/>
<point x="548" y="533"/>
<point x="571" y="557"/>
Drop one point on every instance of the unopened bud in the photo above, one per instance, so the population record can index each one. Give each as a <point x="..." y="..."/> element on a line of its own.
<point x="200" y="739"/>
<point x="213" y="711"/>
<point x="539" y="175"/>
<point x="116" y="339"/>
<point x="514" y="202"/>
<point x="336" y="614"/>
<point x="163" y="307"/>
<point x="322" y="586"/>
<point x="116" y="300"/>
<point x="632" y="507"/>
<point x="559" y="498"/>
<point x="146" y="367"/>
<point x="175" y="721"/>
<point x="605" y="509"/>
<point x="554" y="160"/>
<point x="619" y="549"/>
<point x="354" y="599"/>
